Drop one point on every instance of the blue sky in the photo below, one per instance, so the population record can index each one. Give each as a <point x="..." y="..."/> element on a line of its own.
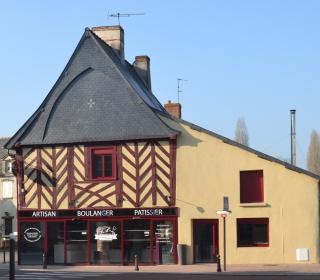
<point x="251" y="59"/>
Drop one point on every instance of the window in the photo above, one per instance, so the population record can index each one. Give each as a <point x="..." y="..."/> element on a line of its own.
<point x="103" y="163"/>
<point x="8" y="166"/>
<point x="253" y="232"/>
<point x="7" y="187"/>
<point x="251" y="186"/>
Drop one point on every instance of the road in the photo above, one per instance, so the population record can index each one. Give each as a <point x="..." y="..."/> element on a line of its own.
<point x="52" y="275"/>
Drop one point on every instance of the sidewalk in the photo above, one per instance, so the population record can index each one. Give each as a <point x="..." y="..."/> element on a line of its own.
<point x="190" y="269"/>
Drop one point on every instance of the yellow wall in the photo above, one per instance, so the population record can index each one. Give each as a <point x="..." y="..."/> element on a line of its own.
<point x="208" y="169"/>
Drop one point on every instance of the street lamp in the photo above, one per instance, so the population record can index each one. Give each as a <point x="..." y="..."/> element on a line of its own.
<point x="224" y="214"/>
<point x="7" y="229"/>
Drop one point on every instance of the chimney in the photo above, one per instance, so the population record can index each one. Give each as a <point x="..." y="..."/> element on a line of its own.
<point x="142" y="66"/>
<point x="173" y="109"/>
<point x="113" y="36"/>
<point x="293" y="137"/>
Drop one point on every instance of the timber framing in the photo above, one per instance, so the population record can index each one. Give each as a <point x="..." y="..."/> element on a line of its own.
<point x="58" y="177"/>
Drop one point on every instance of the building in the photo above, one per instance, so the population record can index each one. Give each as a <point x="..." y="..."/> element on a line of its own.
<point x="8" y="191"/>
<point x="105" y="173"/>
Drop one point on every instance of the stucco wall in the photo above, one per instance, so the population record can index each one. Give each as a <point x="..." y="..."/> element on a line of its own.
<point x="208" y="169"/>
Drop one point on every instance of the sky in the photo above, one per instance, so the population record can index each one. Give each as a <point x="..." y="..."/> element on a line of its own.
<point x="250" y="59"/>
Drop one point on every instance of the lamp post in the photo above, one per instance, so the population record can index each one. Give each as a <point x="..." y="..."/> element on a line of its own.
<point x="7" y="229"/>
<point x="223" y="214"/>
<point x="13" y="237"/>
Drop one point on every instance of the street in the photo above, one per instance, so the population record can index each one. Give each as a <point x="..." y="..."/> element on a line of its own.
<point x="53" y="274"/>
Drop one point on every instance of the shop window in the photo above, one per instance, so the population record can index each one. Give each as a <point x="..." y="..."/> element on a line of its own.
<point x="253" y="232"/>
<point x="103" y="163"/>
<point x="105" y="242"/>
<point x="251" y="186"/>
<point x="31" y="242"/>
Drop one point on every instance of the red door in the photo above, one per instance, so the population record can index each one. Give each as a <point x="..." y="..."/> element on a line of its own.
<point x="205" y="241"/>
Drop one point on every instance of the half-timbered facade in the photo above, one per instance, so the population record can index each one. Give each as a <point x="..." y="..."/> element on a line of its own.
<point x="105" y="173"/>
<point x="61" y="177"/>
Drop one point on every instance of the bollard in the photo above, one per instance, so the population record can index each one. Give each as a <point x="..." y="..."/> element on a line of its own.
<point x="136" y="266"/>
<point x="218" y="263"/>
<point x="4" y="250"/>
<point x="44" y="261"/>
<point x="12" y="252"/>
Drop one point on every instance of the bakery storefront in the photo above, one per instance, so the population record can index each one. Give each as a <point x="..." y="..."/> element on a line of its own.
<point x="101" y="236"/>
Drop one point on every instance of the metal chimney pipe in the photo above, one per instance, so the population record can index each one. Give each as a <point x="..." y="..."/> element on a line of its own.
<point x="293" y="137"/>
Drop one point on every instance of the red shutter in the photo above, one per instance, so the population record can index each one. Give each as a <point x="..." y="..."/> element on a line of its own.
<point x="251" y="186"/>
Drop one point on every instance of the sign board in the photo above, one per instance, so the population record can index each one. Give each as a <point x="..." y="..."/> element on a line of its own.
<point x="225" y="203"/>
<point x="32" y="235"/>
<point x="85" y="213"/>
<point x="106" y="233"/>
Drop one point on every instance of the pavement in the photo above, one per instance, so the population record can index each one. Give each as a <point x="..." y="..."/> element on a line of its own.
<point x="282" y="269"/>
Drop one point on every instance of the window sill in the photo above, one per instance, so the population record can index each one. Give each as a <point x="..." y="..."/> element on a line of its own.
<point x="255" y="204"/>
<point x="253" y="246"/>
<point x="98" y="181"/>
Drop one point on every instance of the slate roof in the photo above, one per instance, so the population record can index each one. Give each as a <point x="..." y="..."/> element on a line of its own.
<point x="96" y="98"/>
<point x="241" y="146"/>
<point x="3" y="151"/>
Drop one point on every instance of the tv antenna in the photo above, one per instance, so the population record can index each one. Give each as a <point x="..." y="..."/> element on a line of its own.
<point x="179" y="87"/>
<point x="119" y="15"/>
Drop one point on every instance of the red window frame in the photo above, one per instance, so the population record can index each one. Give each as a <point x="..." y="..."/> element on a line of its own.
<point x="215" y="237"/>
<point x="103" y="151"/>
<point x="253" y="221"/>
<point x="251" y="186"/>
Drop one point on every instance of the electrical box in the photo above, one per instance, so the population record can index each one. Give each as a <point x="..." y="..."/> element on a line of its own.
<point x="303" y="254"/>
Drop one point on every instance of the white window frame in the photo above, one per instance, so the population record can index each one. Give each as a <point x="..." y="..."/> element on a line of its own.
<point x="6" y="191"/>
<point x="8" y="166"/>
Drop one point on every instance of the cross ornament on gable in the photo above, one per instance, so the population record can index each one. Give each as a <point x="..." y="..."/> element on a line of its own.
<point x="91" y="103"/>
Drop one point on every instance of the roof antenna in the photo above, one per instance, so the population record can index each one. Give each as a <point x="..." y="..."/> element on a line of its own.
<point x="179" y="87"/>
<point x="119" y="15"/>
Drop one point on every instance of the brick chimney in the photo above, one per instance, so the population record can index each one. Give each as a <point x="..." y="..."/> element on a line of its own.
<point x="173" y="109"/>
<point x="113" y="36"/>
<point x="142" y="66"/>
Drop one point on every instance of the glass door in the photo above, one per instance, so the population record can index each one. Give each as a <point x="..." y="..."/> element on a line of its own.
<point x="55" y="242"/>
<point x="163" y="242"/>
<point x="77" y="242"/>
<point x="137" y="241"/>
<point x="205" y="240"/>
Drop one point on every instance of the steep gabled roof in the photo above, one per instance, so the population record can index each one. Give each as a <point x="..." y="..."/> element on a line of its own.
<point x="96" y="98"/>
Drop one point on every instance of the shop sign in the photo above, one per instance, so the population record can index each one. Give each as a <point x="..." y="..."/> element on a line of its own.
<point x="163" y="233"/>
<point x="32" y="234"/>
<point x="106" y="233"/>
<point x="135" y="212"/>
